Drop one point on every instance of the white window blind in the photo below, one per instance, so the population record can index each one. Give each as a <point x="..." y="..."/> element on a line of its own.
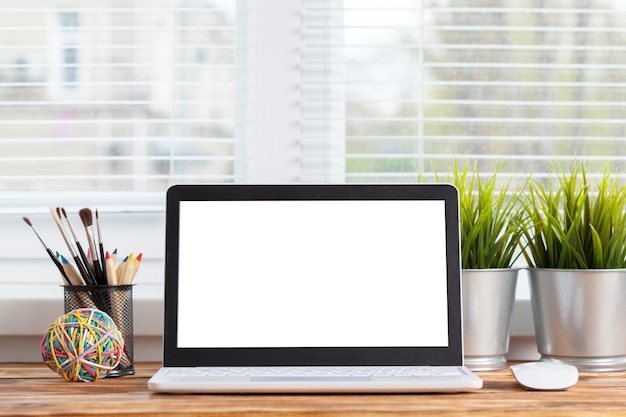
<point x="118" y="95"/>
<point x="391" y="86"/>
<point x="135" y="96"/>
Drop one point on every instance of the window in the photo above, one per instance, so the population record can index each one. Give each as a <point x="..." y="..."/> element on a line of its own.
<point x="117" y="96"/>
<point x="110" y="102"/>
<point x="69" y="39"/>
<point x="388" y="87"/>
<point x="137" y="96"/>
<point x="104" y="104"/>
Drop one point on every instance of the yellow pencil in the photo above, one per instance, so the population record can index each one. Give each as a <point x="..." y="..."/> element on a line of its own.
<point x="136" y="266"/>
<point x="128" y="272"/>
<point x="125" y="269"/>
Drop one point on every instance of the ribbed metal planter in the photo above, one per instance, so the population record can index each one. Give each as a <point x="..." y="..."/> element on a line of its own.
<point x="488" y="298"/>
<point x="579" y="317"/>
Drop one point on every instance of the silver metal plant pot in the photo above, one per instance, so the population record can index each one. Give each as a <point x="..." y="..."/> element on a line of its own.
<point x="579" y="317"/>
<point x="488" y="297"/>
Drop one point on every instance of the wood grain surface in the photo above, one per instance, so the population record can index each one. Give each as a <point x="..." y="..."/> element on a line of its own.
<point x="34" y="390"/>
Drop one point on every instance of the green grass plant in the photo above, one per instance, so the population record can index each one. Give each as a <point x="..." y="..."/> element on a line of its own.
<point x="490" y="219"/>
<point x="575" y="224"/>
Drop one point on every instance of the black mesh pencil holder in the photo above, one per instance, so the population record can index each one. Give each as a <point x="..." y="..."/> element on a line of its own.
<point x="117" y="302"/>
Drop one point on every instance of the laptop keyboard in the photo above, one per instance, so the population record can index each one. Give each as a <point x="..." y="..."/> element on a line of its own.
<point x="319" y="371"/>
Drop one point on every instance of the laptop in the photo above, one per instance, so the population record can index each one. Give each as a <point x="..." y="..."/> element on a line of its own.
<point x="312" y="288"/>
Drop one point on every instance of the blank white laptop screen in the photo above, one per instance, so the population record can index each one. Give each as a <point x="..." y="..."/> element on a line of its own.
<point x="312" y="274"/>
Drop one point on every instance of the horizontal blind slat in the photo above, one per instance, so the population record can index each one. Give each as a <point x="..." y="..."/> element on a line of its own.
<point x="402" y="84"/>
<point x="94" y="96"/>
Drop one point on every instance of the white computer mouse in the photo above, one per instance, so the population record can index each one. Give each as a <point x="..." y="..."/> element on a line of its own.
<point x="553" y="376"/>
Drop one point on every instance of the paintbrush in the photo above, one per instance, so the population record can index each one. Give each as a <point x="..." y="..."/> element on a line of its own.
<point x="83" y="269"/>
<point x="83" y="256"/>
<point x="86" y="217"/>
<point x="105" y="277"/>
<point x="54" y="259"/>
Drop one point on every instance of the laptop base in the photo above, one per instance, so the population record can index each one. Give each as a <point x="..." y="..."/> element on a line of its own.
<point x="409" y="379"/>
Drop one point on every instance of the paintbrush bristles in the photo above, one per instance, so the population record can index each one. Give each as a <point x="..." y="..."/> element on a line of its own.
<point x="87" y="219"/>
<point x="86" y="216"/>
<point x="93" y="270"/>
<point x="98" y="227"/>
<point x="55" y="216"/>
<point x="57" y="220"/>
<point x="69" y="224"/>
<point x="28" y="222"/>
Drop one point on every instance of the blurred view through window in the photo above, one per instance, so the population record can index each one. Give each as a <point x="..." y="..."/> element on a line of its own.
<point x="419" y="83"/>
<point x="116" y="95"/>
<point x="137" y="95"/>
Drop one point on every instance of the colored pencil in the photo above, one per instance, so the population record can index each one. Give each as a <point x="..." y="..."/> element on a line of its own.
<point x="71" y="272"/>
<point x="136" y="268"/>
<point x="110" y="267"/>
<point x="122" y="270"/>
<point x="97" y="266"/>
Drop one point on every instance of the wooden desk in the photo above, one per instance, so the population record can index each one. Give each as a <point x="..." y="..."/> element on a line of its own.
<point x="32" y="389"/>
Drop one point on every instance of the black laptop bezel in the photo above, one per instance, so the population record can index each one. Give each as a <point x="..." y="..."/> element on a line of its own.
<point x="327" y="356"/>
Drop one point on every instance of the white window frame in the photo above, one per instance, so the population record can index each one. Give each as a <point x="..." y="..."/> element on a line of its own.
<point x="61" y="38"/>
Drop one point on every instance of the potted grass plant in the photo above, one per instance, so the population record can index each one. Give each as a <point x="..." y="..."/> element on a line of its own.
<point x="491" y="226"/>
<point x="575" y="248"/>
